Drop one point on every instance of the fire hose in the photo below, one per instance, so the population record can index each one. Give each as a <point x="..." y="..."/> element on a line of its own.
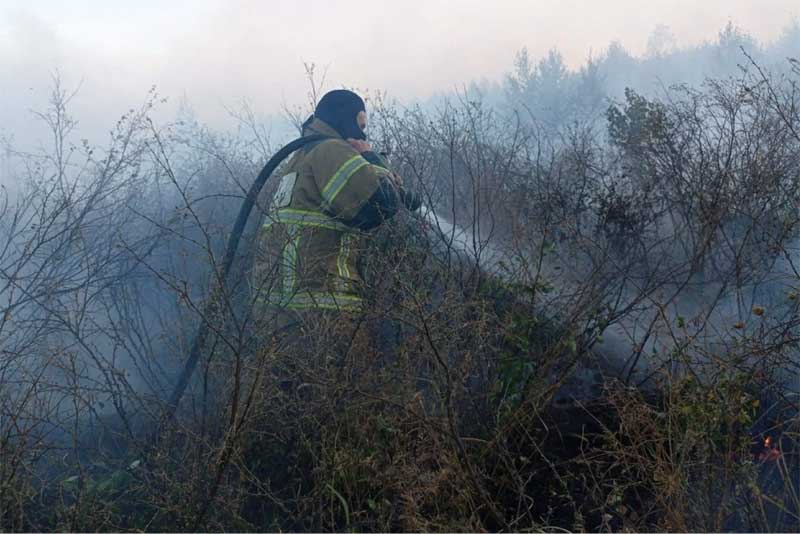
<point x="212" y="304"/>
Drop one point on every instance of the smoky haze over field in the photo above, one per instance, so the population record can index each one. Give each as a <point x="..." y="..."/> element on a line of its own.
<point x="609" y="249"/>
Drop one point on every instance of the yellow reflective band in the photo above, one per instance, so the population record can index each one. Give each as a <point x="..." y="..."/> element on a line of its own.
<point x="307" y="218"/>
<point x="380" y="171"/>
<point x="327" y="301"/>
<point x="341" y="177"/>
<point x="290" y="262"/>
<point x="341" y="262"/>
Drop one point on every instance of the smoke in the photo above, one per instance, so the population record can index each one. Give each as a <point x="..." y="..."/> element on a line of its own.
<point x="135" y="223"/>
<point x="745" y="290"/>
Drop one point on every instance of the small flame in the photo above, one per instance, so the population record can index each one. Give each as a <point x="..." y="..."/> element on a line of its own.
<point x="769" y="452"/>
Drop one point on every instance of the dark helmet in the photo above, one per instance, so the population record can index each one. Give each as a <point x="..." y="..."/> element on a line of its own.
<point x="339" y="108"/>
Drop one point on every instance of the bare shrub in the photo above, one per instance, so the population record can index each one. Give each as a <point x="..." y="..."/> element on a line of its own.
<point x="584" y="329"/>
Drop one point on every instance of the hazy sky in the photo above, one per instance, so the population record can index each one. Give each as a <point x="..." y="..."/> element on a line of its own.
<point x="218" y="52"/>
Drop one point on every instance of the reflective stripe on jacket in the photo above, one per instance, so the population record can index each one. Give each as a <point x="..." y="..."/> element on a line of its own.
<point x="309" y="248"/>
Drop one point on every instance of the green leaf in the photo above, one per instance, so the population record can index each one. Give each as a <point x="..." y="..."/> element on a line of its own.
<point x="573" y="345"/>
<point x="341" y="500"/>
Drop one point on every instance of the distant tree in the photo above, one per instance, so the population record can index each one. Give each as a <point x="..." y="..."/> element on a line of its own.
<point x="552" y="95"/>
<point x="619" y="68"/>
<point x="788" y="44"/>
<point x="727" y="51"/>
<point x="661" y="42"/>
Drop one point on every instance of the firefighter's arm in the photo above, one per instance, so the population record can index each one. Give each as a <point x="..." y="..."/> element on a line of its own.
<point x="345" y="180"/>
<point x="410" y="199"/>
<point x="354" y="190"/>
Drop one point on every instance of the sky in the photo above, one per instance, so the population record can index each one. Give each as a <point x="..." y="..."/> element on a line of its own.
<point x="216" y="53"/>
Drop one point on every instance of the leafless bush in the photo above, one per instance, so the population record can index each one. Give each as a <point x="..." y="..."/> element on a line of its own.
<point x="590" y="330"/>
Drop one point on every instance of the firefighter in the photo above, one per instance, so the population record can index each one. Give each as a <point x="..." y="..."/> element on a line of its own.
<point x="333" y="193"/>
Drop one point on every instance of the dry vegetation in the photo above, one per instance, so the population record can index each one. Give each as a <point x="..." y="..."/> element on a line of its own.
<point x="610" y="342"/>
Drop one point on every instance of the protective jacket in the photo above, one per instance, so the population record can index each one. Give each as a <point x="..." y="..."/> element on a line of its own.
<point x="315" y="228"/>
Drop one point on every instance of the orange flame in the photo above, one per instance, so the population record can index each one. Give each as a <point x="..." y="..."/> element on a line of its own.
<point x="769" y="453"/>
